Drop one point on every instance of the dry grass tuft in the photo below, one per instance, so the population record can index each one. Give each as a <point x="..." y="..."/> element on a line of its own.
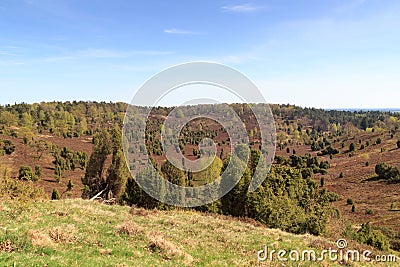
<point x="64" y="234"/>
<point x="105" y="251"/>
<point x="141" y="211"/>
<point x="60" y="213"/>
<point x="159" y="243"/>
<point x="40" y="239"/>
<point x="130" y="228"/>
<point x="7" y="246"/>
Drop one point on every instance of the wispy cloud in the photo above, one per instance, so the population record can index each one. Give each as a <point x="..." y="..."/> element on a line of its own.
<point x="242" y="8"/>
<point x="6" y="53"/>
<point x="11" y="63"/>
<point x="10" y="51"/>
<point x="95" y="53"/>
<point x="102" y="53"/>
<point x="180" y="31"/>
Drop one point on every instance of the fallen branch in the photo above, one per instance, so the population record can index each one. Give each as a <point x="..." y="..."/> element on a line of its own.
<point x="98" y="194"/>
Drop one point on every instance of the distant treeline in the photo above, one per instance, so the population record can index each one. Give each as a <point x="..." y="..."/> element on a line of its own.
<point x="321" y="119"/>
<point x="69" y="118"/>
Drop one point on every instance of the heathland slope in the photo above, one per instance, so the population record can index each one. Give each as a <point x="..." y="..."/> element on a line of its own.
<point x="51" y="145"/>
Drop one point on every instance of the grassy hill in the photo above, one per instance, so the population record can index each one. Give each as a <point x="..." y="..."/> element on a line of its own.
<point x="77" y="232"/>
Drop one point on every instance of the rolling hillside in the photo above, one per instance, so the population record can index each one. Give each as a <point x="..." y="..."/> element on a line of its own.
<point x="43" y="133"/>
<point x="82" y="233"/>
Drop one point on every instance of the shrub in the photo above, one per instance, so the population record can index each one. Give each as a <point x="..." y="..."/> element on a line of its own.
<point x="332" y="197"/>
<point x="26" y="173"/>
<point x="374" y="238"/>
<point x="369" y="211"/>
<point x="306" y="173"/>
<point x="8" y="147"/>
<point x="378" y="141"/>
<point x="16" y="189"/>
<point x="55" y="195"/>
<point x="398" y="144"/>
<point x="387" y="172"/>
<point x="324" y="165"/>
<point x="38" y="172"/>
<point x="349" y="201"/>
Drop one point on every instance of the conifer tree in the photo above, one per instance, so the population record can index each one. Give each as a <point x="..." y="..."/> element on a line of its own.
<point x="118" y="172"/>
<point x="93" y="181"/>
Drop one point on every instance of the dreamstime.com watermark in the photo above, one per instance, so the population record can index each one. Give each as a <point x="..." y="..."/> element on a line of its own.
<point x="340" y="254"/>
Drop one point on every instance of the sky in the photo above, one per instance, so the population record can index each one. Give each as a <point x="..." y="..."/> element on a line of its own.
<point x="312" y="53"/>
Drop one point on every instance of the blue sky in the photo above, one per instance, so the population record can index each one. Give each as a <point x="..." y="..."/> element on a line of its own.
<point x="330" y="53"/>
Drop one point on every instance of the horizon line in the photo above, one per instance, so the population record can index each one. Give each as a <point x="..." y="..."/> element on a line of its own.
<point x="296" y="105"/>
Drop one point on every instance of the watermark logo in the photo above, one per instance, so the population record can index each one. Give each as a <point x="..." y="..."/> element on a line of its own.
<point x="141" y="111"/>
<point x="341" y="243"/>
<point x="339" y="254"/>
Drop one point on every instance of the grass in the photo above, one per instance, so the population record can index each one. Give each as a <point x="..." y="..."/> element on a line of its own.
<point x="76" y="232"/>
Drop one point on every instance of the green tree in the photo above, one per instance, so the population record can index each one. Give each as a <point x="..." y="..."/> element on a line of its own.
<point x="82" y="126"/>
<point x="70" y="185"/>
<point x="27" y="120"/>
<point x="8" y="147"/>
<point x="234" y="202"/>
<point x="208" y="176"/>
<point x="352" y="147"/>
<point x="94" y="181"/>
<point x="211" y="173"/>
<point x="58" y="173"/>
<point x="55" y="195"/>
<point x="118" y="172"/>
<point x="175" y="176"/>
<point x="26" y="173"/>
<point x="38" y="172"/>
<point x="8" y="118"/>
<point x="136" y="195"/>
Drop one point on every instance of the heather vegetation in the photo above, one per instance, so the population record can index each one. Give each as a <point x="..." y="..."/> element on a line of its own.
<point x="74" y="149"/>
